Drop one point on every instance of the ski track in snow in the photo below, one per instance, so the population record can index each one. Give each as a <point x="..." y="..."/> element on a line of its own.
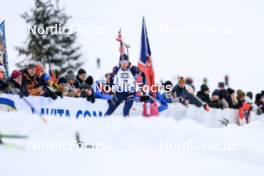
<point x="131" y="146"/>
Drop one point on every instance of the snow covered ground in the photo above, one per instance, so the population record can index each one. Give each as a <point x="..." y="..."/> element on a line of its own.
<point x="131" y="146"/>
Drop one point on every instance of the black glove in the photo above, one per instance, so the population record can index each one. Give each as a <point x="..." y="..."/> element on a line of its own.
<point x="3" y="85"/>
<point x="59" y="94"/>
<point x="53" y="96"/>
<point x="181" y="100"/>
<point x="21" y="95"/>
<point x="91" y="99"/>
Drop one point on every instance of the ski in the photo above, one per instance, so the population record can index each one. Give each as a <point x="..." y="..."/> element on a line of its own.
<point x="11" y="146"/>
<point x="11" y="136"/>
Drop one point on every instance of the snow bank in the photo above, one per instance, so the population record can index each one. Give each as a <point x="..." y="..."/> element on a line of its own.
<point x="80" y="108"/>
<point x="131" y="146"/>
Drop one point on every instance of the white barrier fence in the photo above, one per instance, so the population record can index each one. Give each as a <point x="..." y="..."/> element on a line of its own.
<point x="62" y="107"/>
<point x="80" y="108"/>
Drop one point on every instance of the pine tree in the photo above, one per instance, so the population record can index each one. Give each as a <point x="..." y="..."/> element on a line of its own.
<point x="51" y="47"/>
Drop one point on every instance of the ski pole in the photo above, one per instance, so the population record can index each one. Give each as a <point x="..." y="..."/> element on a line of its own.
<point x="34" y="109"/>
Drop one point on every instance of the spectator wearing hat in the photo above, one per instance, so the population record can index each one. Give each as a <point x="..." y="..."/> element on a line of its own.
<point x="215" y="100"/>
<point x="65" y="88"/>
<point x="15" y="85"/>
<point x="243" y="107"/>
<point x="184" y="95"/>
<point x="62" y="85"/>
<point x="250" y="95"/>
<point x="224" y="97"/>
<point x="73" y="91"/>
<point x="45" y="82"/>
<point x="166" y="97"/>
<point x="43" y="78"/>
<point x="259" y="101"/>
<point x="30" y="81"/>
<point x="204" y="93"/>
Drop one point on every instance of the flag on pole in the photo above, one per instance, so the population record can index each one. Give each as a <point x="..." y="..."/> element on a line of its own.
<point x="3" y="51"/>
<point x="145" y="65"/>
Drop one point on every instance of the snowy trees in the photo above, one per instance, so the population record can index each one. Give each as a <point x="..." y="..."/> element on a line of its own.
<point x="54" y="46"/>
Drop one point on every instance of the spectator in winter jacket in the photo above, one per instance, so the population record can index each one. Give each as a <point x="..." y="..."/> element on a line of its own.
<point x="1" y="58"/>
<point x="72" y="90"/>
<point x="250" y="95"/>
<point x="45" y="82"/>
<point x="15" y="85"/>
<point x="224" y="97"/>
<point x="108" y="77"/>
<point x="100" y="91"/>
<point x="241" y="96"/>
<point x="166" y="97"/>
<point x="65" y="88"/>
<point x="232" y="94"/>
<point x="189" y="82"/>
<point x="259" y="101"/>
<point x="30" y="81"/>
<point x="3" y="83"/>
<point x="84" y="84"/>
<point x="80" y="79"/>
<point x="43" y="78"/>
<point x="243" y="107"/>
<point x="108" y="83"/>
<point x="215" y="100"/>
<point x="185" y="97"/>
<point x="204" y="93"/>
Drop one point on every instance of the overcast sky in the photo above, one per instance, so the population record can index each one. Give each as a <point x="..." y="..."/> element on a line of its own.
<point x="205" y="38"/>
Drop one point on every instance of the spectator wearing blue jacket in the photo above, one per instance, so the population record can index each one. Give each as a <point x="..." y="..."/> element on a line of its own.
<point x="99" y="92"/>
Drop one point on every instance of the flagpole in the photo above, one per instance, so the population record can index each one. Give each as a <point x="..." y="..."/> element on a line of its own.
<point x="5" y="58"/>
<point x="145" y="65"/>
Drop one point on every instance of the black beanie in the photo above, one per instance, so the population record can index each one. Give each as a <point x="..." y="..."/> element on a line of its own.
<point x="258" y="97"/>
<point x="81" y="71"/>
<point x="62" y="80"/>
<point x="250" y="95"/>
<point x="204" y="88"/>
<point x="30" y="66"/>
<point x="221" y="85"/>
<point x="166" y="85"/>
